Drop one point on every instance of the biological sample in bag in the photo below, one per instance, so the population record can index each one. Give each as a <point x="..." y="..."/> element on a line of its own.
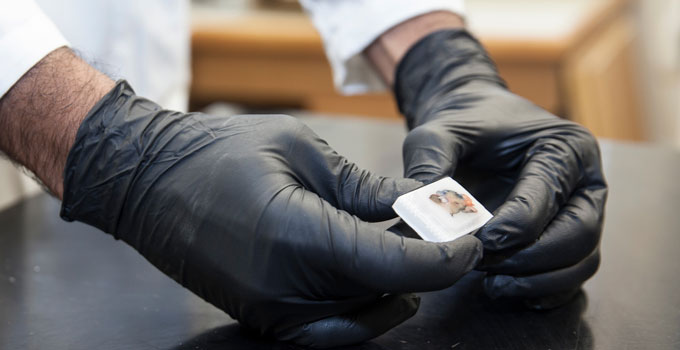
<point x="441" y="211"/>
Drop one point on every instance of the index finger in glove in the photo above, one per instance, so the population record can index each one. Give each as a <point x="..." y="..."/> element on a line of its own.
<point x="546" y="182"/>
<point x="430" y="153"/>
<point x="384" y="261"/>
<point x="353" y="257"/>
<point x="342" y="183"/>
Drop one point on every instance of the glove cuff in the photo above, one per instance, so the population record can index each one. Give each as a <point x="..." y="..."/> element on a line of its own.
<point x="101" y="163"/>
<point x="436" y="64"/>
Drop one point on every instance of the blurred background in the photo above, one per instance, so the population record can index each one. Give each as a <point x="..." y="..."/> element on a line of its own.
<point x="611" y="65"/>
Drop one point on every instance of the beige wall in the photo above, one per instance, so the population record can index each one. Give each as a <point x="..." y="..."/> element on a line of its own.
<point x="659" y="53"/>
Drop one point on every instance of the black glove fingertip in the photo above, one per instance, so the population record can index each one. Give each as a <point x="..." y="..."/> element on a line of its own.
<point x="356" y="327"/>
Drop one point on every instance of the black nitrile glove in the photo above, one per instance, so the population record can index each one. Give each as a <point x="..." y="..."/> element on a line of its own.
<point x="541" y="174"/>
<point x="255" y="215"/>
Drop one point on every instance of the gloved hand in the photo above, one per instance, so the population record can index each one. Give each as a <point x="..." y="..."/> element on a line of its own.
<point x="254" y="214"/>
<point x="541" y="174"/>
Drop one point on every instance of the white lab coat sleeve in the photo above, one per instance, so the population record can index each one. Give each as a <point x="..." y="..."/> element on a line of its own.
<point x="26" y="36"/>
<point x="347" y="27"/>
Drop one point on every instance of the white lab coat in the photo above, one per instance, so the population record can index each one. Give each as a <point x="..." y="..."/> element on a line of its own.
<point x="143" y="41"/>
<point x="147" y="43"/>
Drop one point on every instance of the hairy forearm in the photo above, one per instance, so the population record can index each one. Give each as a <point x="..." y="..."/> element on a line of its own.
<point x="388" y="49"/>
<point x="41" y="113"/>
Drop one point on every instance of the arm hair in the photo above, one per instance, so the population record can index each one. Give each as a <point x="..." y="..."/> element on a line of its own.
<point x="41" y="113"/>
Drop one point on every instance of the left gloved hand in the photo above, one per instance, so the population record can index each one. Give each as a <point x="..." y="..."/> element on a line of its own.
<point x="540" y="173"/>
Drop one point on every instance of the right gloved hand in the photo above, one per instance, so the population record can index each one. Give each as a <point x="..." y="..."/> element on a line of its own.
<point x="254" y="214"/>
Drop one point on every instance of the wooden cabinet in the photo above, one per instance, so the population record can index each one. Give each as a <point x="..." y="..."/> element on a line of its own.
<point x="571" y="57"/>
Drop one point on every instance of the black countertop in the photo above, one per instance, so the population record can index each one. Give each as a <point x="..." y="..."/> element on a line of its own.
<point x="69" y="286"/>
